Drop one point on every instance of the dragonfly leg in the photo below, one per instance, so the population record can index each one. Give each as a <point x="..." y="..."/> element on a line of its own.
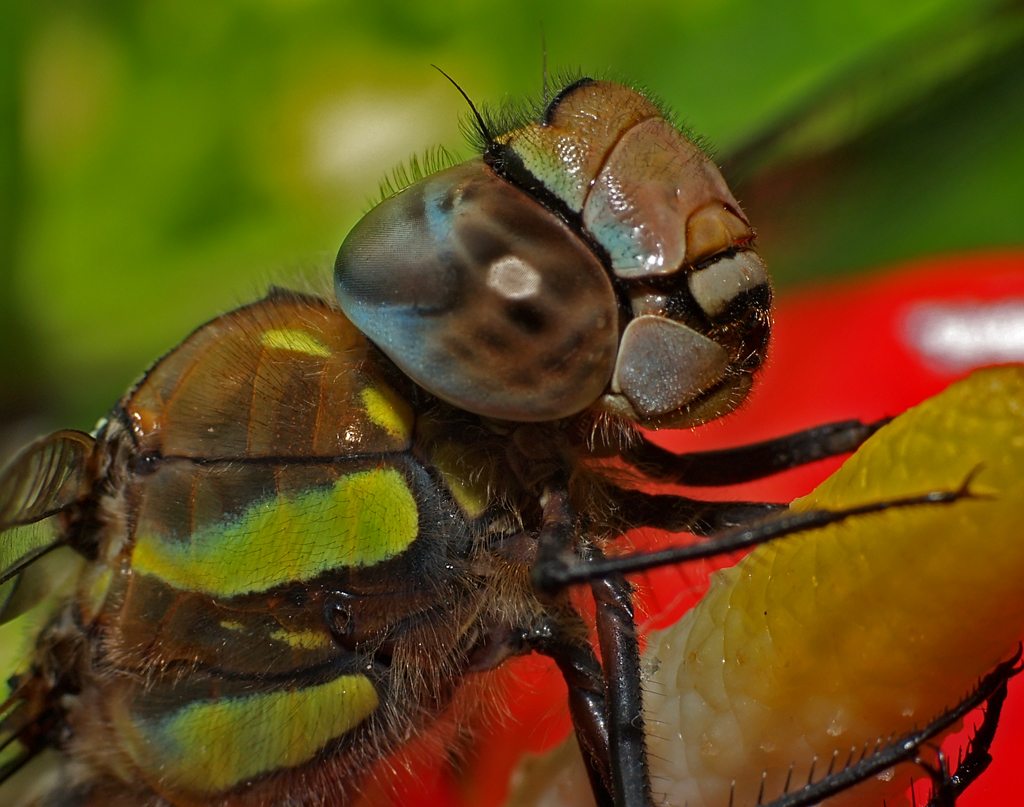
<point x="682" y="514"/>
<point x="559" y="639"/>
<point x="991" y="689"/>
<point x="943" y="792"/>
<point x="732" y="466"/>
<point x="619" y="724"/>
<point x="948" y="787"/>
<point x="617" y="636"/>
<point x="561" y="573"/>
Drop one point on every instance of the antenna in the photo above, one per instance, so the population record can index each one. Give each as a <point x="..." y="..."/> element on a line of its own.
<point x="488" y="139"/>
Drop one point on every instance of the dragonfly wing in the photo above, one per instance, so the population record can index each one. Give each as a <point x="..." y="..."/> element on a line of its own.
<point x="44" y="480"/>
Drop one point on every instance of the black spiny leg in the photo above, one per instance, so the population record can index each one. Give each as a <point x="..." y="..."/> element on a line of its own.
<point x="620" y="651"/>
<point x="562" y="637"/>
<point x="948" y="788"/>
<point x="906" y="748"/>
<point x="564" y="571"/>
<point x="943" y="794"/>
<point x="681" y="514"/>
<point x="619" y="724"/>
<point x="732" y="466"/>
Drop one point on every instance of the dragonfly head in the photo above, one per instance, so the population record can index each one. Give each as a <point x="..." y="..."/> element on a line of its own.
<point x="593" y="258"/>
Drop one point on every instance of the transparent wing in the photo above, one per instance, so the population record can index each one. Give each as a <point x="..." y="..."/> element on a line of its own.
<point x="46" y="478"/>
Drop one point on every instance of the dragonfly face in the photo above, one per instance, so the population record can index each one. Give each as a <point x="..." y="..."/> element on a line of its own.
<point x="593" y="259"/>
<point x="314" y="524"/>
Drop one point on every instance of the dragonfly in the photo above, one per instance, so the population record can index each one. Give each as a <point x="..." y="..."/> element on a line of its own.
<point x="300" y="544"/>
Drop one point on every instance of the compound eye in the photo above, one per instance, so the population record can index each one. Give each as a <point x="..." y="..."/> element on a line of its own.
<point x="482" y="296"/>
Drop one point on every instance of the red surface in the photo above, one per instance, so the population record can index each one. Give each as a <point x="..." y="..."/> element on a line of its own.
<point x="838" y="351"/>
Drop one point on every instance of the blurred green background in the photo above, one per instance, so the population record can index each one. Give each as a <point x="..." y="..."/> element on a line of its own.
<point x="162" y="161"/>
